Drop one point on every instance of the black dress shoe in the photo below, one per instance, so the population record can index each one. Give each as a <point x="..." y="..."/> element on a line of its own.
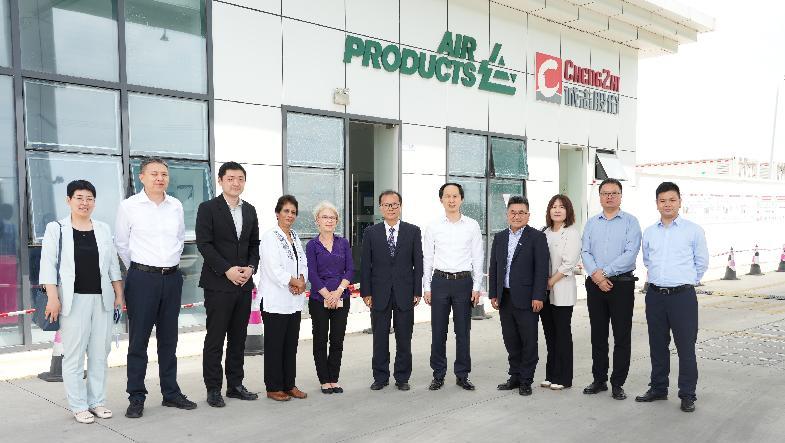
<point x="327" y="390"/>
<point x="595" y="387"/>
<point x="618" y="393"/>
<point x="378" y="385"/>
<point x="402" y="385"/>
<point x="240" y="393"/>
<point x="214" y="398"/>
<point x="179" y="401"/>
<point x="464" y="383"/>
<point x="337" y="390"/>
<point x="525" y="390"/>
<point x="135" y="409"/>
<point x="509" y="385"/>
<point x="650" y="396"/>
<point x="687" y="405"/>
<point x="436" y="384"/>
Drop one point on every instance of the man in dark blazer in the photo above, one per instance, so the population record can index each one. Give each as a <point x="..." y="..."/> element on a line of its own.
<point x="517" y="281"/>
<point x="227" y="235"/>
<point x="391" y="285"/>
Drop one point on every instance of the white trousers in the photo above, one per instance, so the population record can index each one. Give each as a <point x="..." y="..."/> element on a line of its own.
<point x="87" y="329"/>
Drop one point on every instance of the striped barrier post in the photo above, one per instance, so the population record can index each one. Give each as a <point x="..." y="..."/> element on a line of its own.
<point x="730" y="269"/>
<point x="254" y="341"/>
<point x="755" y="266"/>
<point x="55" y="372"/>
<point x="781" y="267"/>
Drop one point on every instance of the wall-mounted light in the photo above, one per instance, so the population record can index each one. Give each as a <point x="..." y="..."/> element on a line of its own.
<point x="341" y="96"/>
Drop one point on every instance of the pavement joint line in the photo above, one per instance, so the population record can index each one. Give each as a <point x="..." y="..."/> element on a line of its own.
<point x="98" y="421"/>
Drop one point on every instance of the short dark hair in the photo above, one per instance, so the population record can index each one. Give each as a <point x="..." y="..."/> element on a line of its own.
<point x="284" y="199"/>
<point x="390" y="192"/>
<point x="570" y="219"/>
<point x="518" y="200"/>
<point x="234" y="166"/>
<point x="667" y="186"/>
<point x="79" y="185"/>
<point x="151" y="160"/>
<point x="457" y="185"/>
<point x="609" y="181"/>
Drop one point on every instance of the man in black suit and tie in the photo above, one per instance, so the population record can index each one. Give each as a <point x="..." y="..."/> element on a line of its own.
<point x="390" y="284"/>
<point x="227" y="235"/>
<point x="517" y="280"/>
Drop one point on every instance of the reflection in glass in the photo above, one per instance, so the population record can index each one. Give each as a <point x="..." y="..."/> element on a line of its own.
<point x="75" y="37"/>
<point x="5" y="33"/>
<point x="72" y="118"/>
<point x="467" y="154"/>
<point x="10" y="327"/>
<point x="474" y="198"/>
<point x="191" y="267"/>
<point x="48" y="175"/>
<point x="501" y="191"/>
<point x="167" y="127"/>
<point x="509" y="158"/>
<point x="189" y="182"/>
<point x="166" y="45"/>
<point x="313" y="140"/>
<point x="38" y="335"/>
<point x="312" y="186"/>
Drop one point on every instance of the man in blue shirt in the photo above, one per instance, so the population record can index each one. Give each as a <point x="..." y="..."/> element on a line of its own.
<point x="611" y="241"/>
<point x="676" y="256"/>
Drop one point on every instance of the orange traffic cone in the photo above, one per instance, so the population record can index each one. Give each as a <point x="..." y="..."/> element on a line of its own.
<point x="755" y="266"/>
<point x="730" y="269"/>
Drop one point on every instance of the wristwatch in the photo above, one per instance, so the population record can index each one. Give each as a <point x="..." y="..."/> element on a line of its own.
<point x="604" y="274"/>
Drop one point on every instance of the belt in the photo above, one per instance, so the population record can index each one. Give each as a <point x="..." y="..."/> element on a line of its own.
<point x="668" y="291"/>
<point x="452" y="275"/>
<point x="627" y="276"/>
<point x="154" y="269"/>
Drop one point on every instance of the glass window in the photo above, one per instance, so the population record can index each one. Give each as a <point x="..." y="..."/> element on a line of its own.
<point x="501" y="191"/>
<point x="5" y="33"/>
<point x="312" y="186"/>
<point x="75" y="37"/>
<point x="167" y="127"/>
<point x="189" y="182"/>
<point x="313" y="140"/>
<point x="72" y="118"/>
<point x="48" y="174"/>
<point x="474" y="198"/>
<point x="509" y="158"/>
<point x="166" y="45"/>
<point x="468" y="154"/>
<point x="10" y="330"/>
<point x="191" y="267"/>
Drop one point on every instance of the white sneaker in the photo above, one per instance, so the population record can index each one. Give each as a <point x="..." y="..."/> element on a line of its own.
<point x="556" y="387"/>
<point x="84" y="417"/>
<point x="101" y="412"/>
<point x="545" y="384"/>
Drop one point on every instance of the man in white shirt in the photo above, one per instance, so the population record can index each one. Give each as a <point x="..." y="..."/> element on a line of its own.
<point x="149" y="236"/>
<point x="452" y="279"/>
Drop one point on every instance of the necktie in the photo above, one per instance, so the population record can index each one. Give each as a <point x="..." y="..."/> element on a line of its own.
<point x="391" y="242"/>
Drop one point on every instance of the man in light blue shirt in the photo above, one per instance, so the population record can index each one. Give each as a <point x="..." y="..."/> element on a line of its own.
<point x="611" y="241"/>
<point x="676" y="256"/>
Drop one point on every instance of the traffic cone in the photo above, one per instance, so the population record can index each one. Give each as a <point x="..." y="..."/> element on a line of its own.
<point x="781" y="267"/>
<point x="730" y="269"/>
<point x="755" y="266"/>
<point x="478" y="312"/>
<point x="254" y="341"/>
<point x="55" y="373"/>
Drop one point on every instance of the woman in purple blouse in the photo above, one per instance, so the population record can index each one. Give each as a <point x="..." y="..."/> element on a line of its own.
<point x="330" y="269"/>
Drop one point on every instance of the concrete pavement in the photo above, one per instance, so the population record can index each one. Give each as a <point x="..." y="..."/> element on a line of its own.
<point x="740" y="393"/>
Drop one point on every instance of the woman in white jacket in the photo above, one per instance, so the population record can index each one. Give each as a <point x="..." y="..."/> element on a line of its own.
<point x="564" y="243"/>
<point x="90" y="287"/>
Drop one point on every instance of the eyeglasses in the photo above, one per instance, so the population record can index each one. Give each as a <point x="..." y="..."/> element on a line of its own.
<point x="518" y="213"/>
<point x="610" y="194"/>
<point x="390" y="205"/>
<point x="328" y="218"/>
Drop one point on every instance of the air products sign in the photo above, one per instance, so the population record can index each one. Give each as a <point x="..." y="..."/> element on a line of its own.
<point x="562" y="81"/>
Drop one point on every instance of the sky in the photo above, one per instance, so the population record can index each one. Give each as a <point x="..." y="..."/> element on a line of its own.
<point x="715" y="98"/>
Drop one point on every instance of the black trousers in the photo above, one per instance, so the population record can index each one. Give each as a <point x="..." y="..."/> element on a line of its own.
<point x="281" y="334"/>
<point x="403" y="323"/>
<point x="557" y="326"/>
<point x="615" y="307"/>
<point x="446" y="295"/>
<point x="677" y="312"/>
<point x="328" y="325"/>
<point x="152" y="300"/>
<point x="227" y="318"/>
<point x="519" y="332"/>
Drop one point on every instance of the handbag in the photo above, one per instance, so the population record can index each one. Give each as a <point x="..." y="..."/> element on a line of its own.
<point x="40" y="298"/>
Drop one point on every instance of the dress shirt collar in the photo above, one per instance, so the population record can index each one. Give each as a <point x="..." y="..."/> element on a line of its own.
<point x="620" y="214"/>
<point x="446" y="219"/>
<point x="676" y="221"/>
<point x="239" y="202"/>
<point x="142" y="197"/>
<point x="517" y="234"/>
<point x="396" y="226"/>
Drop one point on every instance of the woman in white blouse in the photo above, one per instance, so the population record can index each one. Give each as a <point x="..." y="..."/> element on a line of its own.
<point x="283" y="272"/>
<point x="564" y="243"/>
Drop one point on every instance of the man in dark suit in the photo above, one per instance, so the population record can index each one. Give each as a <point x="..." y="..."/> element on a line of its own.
<point x="391" y="285"/>
<point x="517" y="281"/>
<point x="227" y="235"/>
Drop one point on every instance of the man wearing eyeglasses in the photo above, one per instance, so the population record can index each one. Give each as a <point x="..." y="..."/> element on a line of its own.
<point x="390" y="285"/>
<point x="517" y="280"/>
<point x="611" y="241"/>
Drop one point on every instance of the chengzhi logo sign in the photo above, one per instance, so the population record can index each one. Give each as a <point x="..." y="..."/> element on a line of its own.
<point x="558" y="81"/>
